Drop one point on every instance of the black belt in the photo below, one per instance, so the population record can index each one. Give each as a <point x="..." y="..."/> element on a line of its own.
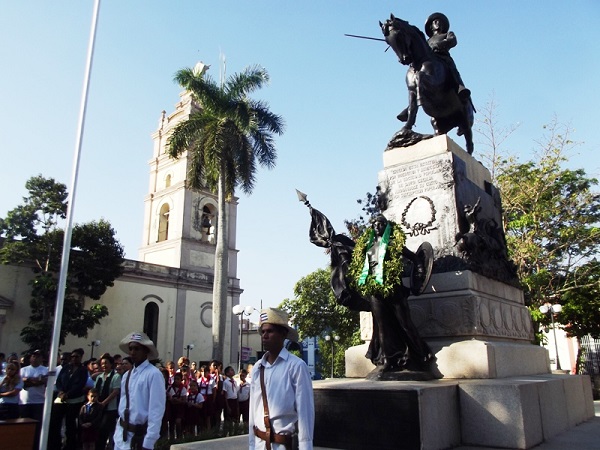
<point x="135" y="429"/>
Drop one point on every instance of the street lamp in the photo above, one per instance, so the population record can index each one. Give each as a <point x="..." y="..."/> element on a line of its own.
<point x="95" y="343"/>
<point x="550" y="310"/>
<point x="329" y="338"/>
<point x="240" y="311"/>
<point x="187" y="349"/>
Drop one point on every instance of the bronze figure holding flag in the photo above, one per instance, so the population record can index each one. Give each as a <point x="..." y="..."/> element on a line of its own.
<point x="366" y="275"/>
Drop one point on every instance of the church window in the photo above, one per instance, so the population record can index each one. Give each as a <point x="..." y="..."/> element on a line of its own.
<point x="151" y="321"/>
<point x="168" y="181"/>
<point x="163" y="223"/>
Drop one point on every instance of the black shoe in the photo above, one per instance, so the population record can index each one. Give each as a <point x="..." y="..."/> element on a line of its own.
<point x="403" y="116"/>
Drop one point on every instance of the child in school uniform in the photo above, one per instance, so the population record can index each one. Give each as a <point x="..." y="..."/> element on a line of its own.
<point x="206" y="385"/>
<point x="216" y="370"/>
<point x="193" y="414"/>
<point x="230" y="390"/>
<point x="244" y="396"/>
<point x="90" y="416"/>
<point x="177" y="398"/>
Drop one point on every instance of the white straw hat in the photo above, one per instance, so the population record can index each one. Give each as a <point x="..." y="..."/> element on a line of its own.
<point x="276" y="316"/>
<point x="142" y="339"/>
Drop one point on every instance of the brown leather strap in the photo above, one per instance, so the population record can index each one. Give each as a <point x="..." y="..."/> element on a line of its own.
<point x="126" y="412"/>
<point x="267" y="419"/>
<point x="285" y="439"/>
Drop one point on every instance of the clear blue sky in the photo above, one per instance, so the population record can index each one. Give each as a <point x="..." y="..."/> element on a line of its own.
<point x="339" y="97"/>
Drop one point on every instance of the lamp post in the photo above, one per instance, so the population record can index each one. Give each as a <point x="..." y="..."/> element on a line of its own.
<point x="187" y="350"/>
<point x="332" y="339"/>
<point x="550" y="310"/>
<point x="240" y="311"/>
<point x="95" y="343"/>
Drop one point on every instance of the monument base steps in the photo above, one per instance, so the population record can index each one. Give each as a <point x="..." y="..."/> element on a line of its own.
<point x="467" y="359"/>
<point x="512" y="413"/>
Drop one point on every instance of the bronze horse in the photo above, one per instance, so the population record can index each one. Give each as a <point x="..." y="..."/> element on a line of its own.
<point x="429" y="82"/>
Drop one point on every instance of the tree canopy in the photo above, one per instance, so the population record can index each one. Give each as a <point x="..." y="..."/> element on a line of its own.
<point x="32" y="236"/>
<point x="551" y="216"/>
<point x="229" y="133"/>
<point x="226" y="135"/>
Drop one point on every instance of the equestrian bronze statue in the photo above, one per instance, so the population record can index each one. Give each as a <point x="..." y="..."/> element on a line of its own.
<point x="432" y="78"/>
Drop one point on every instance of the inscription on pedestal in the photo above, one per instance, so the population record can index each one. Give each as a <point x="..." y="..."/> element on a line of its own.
<point x="420" y="177"/>
<point x="421" y="199"/>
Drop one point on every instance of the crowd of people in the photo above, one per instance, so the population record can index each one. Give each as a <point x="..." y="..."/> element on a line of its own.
<point x="198" y="399"/>
<point x="124" y="403"/>
<point x="73" y="421"/>
<point x="86" y="397"/>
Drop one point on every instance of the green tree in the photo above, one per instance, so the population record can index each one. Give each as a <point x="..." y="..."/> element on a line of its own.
<point x="315" y="312"/>
<point x="225" y="138"/>
<point x="32" y="236"/>
<point x="581" y="309"/>
<point x="371" y="206"/>
<point x="551" y="215"/>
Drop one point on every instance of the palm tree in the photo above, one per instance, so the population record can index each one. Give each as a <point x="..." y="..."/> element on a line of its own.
<point x="225" y="138"/>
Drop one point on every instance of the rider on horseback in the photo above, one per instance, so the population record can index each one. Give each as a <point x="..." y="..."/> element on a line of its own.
<point x="441" y="40"/>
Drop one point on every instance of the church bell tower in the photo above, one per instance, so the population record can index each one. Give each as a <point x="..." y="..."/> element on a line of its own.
<point x="180" y="224"/>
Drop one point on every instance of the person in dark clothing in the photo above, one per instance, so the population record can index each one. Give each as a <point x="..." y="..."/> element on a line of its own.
<point x="90" y="416"/>
<point x="70" y="385"/>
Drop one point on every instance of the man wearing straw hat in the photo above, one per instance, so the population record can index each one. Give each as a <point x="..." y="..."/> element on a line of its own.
<point x="281" y="395"/>
<point x="142" y="403"/>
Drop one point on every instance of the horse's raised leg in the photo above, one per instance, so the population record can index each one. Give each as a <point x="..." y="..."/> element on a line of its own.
<point x="411" y="110"/>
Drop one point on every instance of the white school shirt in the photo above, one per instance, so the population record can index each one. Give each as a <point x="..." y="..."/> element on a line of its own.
<point x="34" y="394"/>
<point x="290" y="398"/>
<point x="173" y="392"/>
<point x="231" y="388"/>
<point x="244" y="392"/>
<point x="195" y="398"/>
<point x="146" y="403"/>
<point x="206" y="386"/>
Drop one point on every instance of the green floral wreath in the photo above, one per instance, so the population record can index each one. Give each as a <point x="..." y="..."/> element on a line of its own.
<point x="392" y="269"/>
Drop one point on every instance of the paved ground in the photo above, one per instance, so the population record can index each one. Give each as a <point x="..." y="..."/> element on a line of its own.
<point x="583" y="437"/>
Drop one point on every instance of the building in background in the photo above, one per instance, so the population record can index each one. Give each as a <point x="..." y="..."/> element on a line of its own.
<point x="168" y="292"/>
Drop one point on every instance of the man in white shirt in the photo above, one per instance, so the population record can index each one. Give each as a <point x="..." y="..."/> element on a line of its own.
<point x="34" y="377"/>
<point x="288" y="390"/>
<point x="142" y="403"/>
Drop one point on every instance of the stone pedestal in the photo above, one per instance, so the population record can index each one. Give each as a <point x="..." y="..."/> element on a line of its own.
<point x="494" y="388"/>
<point x="510" y="413"/>
<point x="428" y="185"/>
<point x="477" y="326"/>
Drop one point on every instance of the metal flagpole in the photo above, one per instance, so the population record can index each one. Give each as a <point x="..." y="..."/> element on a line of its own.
<point x="60" y="297"/>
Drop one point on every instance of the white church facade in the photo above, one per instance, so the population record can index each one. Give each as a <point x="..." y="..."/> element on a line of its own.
<point x="167" y="292"/>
